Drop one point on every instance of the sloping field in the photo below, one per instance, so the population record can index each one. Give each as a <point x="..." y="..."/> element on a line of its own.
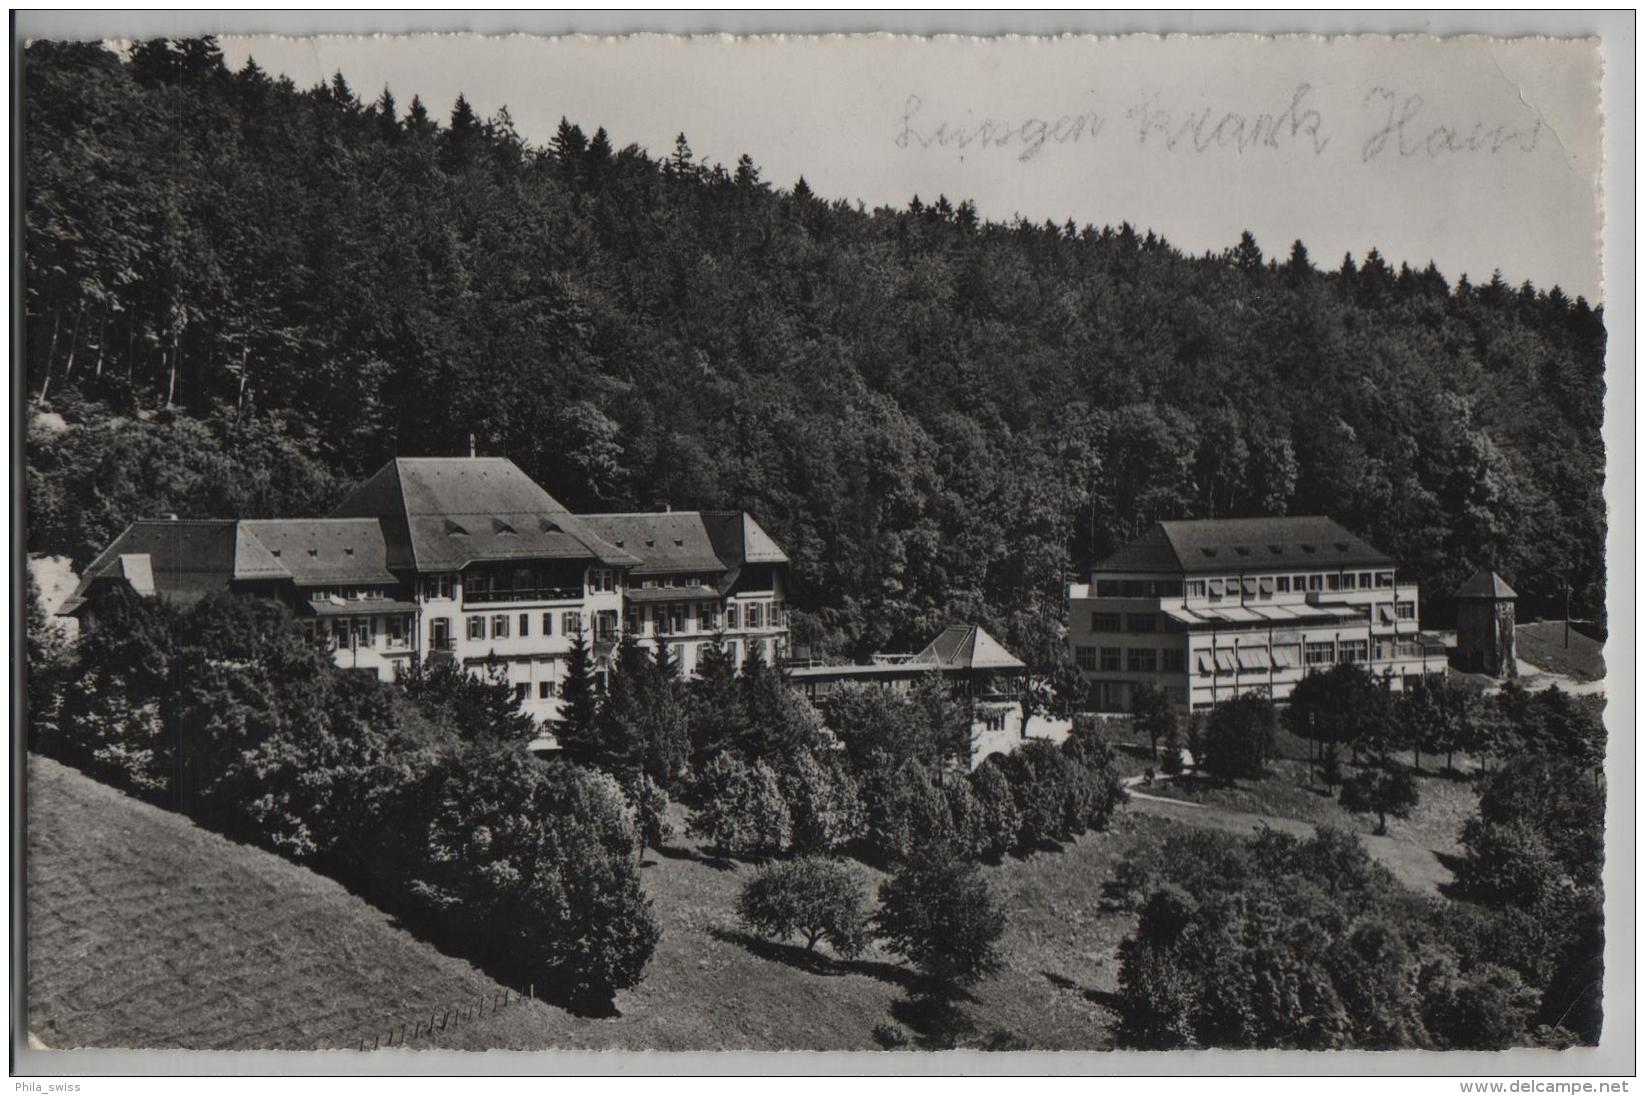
<point x="145" y="930"/>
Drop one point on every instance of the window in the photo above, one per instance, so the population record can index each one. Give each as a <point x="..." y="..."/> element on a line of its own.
<point x="522" y="691"/>
<point x="1105" y="622"/>
<point x="601" y="580"/>
<point x="756" y="615"/>
<point x="636" y="617"/>
<point x="548" y="624"/>
<point x="676" y="618"/>
<point x="1385" y="580"/>
<point x="605" y="625"/>
<point x="1314" y="582"/>
<point x="1196" y="588"/>
<point x="1353" y="650"/>
<point x="1405" y="610"/>
<point x="708" y="618"/>
<point x="731" y="617"/>
<point x="525" y="625"/>
<point x="1110" y="659"/>
<point x="319" y="595"/>
<point x="570" y="623"/>
<point x="1265" y="587"/>
<point x="499" y="626"/>
<point x="545" y="690"/>
<point x="1320" y="654"/>
<point x="1365" y="579"/>
<point x="1085" y="657"/>
<point x="1283" y="584"/>
<point x="1140" y="660"/>
<point x="660" y="615"/>
<point x="396" y="631"/>
<point x="1172" y="661"/>
<point x="1141" y="622"/>
<point x="1216" y="589"/>
<point x="1333" y="582"/>
<point x="599" y="681"/>
<point x="476" y="627"/>
<point x="437" y="586"/>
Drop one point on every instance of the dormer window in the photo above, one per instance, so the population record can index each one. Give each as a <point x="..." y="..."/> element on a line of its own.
<point x="1210" y="552"/>
<point x="1243" y="551"/>
<point x="348" y="551"/>
<point x="678" y="543"/>
<point x="1276" y="549"/>
<point x="455" y="530"/>
<point x="547" y="525"/>
<point x="275" y="553"/>
<point x="502" y="528"/>
<point x="650" y="543"/>
<point x="313" y="552"/>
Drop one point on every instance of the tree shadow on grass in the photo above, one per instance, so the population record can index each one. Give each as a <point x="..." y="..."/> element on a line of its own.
<point x="816" y="962"/>
<point x="676" y="852"/>
<point x="1453" y="864"/>
<point x="1100" y="997"/>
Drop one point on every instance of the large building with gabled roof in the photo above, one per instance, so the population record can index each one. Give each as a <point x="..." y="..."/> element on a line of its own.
<point x="467" y="559"/>
<point x="1213" y="609"/>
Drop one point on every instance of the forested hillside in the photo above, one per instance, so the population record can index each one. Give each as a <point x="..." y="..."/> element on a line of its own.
<point x="242" y="296"/>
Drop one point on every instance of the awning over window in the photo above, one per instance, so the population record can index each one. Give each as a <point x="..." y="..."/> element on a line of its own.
<point x="1225" y="661"/>
<point x="1266" y="584"/>
<point x="1215" y="586"/>
<point x="1386" y="613"/>
<point x="1253" y="658"/>
<point x="1204" y="662"/>
<point x="1250" y="586"/>
<point x="1283" y="658"/>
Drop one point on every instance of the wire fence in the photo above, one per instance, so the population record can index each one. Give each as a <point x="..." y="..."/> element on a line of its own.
<point x="439" y="1020"/>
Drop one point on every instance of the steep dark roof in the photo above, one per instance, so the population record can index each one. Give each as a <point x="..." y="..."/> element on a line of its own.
<point x="180" y="560"/>
<point x="1486" y="585"/>
<point x="441" y="513"/>
<point x="326" y="551"/>
<point x="680" y="541"/>
<point x="1244" y="544"/>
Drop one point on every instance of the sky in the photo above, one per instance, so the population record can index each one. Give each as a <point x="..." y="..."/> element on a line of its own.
<point x="1477" y="155"/>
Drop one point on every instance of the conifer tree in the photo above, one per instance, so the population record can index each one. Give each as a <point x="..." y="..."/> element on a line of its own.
<point x="579" y="705"/>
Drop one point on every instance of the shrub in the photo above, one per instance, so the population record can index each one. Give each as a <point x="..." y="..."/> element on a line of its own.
<point x="1097" y="790"/>
<point x="942" y="917"/>
<point x="1380" y="791"/>
<point x="905" y="812"/>
<point x="541" y="859"/>
<point x="1239" y="736"/>
<point x="742" y="811"/>
<point x="649" y="805"/>
<point x="1043" y="782"/>
<point x="813" y="897"/>
<point x="999" y="818"/>
<point x="823" y="803"/>
<point x="966" y="815"/>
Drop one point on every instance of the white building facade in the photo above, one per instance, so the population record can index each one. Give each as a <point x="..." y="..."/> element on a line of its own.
<point x="1210" y="610"/>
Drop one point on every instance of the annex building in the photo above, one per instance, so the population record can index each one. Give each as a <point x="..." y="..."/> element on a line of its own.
<point x="1209" y="610"/>
<point x="468" y="559"/>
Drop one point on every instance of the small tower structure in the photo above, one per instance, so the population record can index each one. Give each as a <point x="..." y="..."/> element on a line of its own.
<point x="1485" y="626"/>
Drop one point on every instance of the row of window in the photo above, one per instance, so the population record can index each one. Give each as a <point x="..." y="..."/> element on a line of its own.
<point x="1137" y="660"/>
<point x="1233" y="660"/>
<point x="676" y="618"/>
<point x="1132" y="622"/>
<point x="670" y="582"/>
<point x="507" y="626"/>
<point x="347" y="593"/>
<point x="1265" y="586"/>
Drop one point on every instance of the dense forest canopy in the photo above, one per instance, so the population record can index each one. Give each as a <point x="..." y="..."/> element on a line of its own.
<point x="242" y="296"/>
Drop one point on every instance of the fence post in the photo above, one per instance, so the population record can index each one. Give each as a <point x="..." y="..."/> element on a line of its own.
<point x="374" y="1043"/>
<point x="533" y="991"/>
<point x="445" y="1020"/>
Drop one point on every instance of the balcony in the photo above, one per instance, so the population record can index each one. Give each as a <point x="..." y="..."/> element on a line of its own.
<point x="533" y="593"/>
